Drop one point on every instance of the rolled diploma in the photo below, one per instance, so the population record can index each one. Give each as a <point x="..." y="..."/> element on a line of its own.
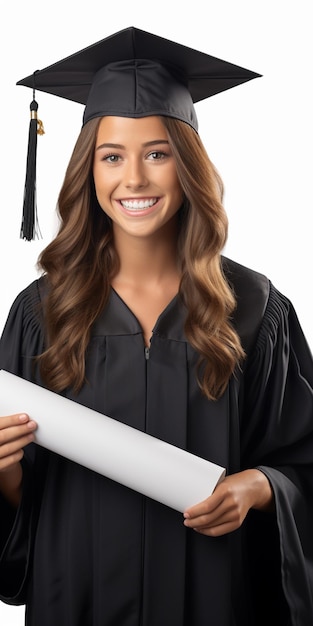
<point x="124" y="454"/>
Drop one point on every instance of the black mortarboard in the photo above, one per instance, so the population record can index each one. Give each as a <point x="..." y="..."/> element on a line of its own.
<point x="134" y="73"/>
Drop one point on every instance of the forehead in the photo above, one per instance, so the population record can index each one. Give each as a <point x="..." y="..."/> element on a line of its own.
<point x="120" y="129"/>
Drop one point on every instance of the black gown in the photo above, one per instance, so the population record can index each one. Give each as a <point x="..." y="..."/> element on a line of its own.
<point x="83" y="550"/>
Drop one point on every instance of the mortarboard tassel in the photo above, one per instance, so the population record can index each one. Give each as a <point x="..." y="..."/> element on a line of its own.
<point x="29" y="226"/>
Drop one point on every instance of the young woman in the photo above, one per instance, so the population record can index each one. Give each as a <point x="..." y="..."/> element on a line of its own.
<point x="139" y="316"/>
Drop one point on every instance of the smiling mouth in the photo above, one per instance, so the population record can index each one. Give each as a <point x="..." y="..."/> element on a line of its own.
<point x="137" y="205"/>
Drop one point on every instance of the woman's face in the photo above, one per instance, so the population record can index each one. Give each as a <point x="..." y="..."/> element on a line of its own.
<point x="135" y="175"/>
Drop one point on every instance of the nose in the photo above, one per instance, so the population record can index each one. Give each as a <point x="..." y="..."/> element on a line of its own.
<point x="134" y="174"/>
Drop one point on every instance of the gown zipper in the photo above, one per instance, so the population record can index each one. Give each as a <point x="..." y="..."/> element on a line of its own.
<point x="147" y="356"/>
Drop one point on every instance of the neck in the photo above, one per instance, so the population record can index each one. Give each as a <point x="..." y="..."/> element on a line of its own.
<point x="147" y="259"/>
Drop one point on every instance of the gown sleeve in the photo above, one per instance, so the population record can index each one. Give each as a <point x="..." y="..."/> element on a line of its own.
<point x="277" y="437"/>
<point x="20" y="342"/>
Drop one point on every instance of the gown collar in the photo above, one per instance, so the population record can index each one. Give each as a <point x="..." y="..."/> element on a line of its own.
<point x="118" y="319"/>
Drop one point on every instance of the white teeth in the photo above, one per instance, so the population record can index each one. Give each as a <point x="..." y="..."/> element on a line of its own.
<point x="138" y="204"/>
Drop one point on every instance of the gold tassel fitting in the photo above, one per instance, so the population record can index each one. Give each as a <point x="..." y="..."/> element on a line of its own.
<point x="40" y="127"/>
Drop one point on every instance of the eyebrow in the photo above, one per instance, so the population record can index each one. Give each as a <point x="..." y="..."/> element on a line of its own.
<point x="119" y="146"/>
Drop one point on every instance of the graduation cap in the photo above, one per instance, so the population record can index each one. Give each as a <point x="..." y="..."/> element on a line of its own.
<point x="131" y="73"/>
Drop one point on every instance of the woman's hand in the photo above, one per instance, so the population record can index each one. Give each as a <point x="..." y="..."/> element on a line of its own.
<point x="225" y="510"/>
<point x="16" y="431"/>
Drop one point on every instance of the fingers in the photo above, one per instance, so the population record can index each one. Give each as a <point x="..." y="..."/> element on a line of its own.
<point x="16" y="431"/>
<point x="218" y="530"/>
<point x="7" y="421"/>
<point x="225" y="510"/>
<point x="15" y="427"/>
<point x="9" y="461"/>
<point x="204" y="516"/>
<point x="222" y="520"/>
<point x="206" y="506"/>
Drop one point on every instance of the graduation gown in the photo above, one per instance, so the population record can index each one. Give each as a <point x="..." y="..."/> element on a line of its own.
<point x="83" y="550"/>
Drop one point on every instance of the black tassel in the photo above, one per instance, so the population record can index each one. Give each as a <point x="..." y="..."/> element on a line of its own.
<point x="29" y="227"/>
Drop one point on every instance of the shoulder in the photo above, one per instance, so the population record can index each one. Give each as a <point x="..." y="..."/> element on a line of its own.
<point x="26" y="307"/>
<point x="249" y="286"/>
<point x="252" y="291"/>
<point x="262" y="312"/>
<point x="31" y="296"/>
<point x="23" y="334"/>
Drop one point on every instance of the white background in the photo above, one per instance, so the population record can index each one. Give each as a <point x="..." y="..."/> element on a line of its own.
<point x="259" y="135"/>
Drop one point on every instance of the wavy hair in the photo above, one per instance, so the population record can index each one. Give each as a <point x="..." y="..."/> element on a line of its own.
<point x="209" y="300"/>
<point x="81" y="260"/>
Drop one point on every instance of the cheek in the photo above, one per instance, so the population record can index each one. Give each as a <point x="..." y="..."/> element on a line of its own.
<point x="173" y="181"/>
<point x="103" y="184"/>
<point x="101" y="191"/>
<point x="96" y="179"/>
<point x="175" y="187"/>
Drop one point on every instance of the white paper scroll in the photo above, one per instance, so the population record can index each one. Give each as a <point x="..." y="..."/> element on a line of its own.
<point x="148" y="465"/>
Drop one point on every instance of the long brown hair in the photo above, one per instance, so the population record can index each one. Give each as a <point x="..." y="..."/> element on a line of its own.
<point x="81" y="261"/>
<point x="206" y="293"/>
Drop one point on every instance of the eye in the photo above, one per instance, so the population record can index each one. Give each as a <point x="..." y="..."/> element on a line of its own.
<point x="111" y="158"/>
<point x="157" y="155"/>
